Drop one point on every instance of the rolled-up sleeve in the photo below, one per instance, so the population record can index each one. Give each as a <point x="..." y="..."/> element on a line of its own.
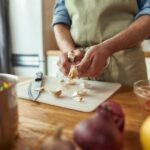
<point x="144" y="8"/>
<point x="60" y="14"/>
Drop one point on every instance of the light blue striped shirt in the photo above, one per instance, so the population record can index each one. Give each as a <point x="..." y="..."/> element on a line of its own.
<point x="61" y="15"/>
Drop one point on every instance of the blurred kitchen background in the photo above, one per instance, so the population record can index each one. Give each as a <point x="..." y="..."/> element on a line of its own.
<point x="27" y="42"/>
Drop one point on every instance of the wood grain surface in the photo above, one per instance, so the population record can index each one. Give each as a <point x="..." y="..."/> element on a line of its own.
<point x="38" y="120"/>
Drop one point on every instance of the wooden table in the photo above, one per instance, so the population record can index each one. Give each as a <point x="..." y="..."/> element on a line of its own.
<point x="37" y="120"/>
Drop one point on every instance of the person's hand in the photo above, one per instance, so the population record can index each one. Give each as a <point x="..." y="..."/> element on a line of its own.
<point x="64" y="63"/>
<point x="93" y="62"/>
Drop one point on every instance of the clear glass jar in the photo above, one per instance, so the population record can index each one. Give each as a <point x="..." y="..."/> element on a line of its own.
<point x="142" y="90"/>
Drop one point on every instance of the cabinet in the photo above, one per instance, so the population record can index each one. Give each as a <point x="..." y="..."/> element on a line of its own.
<point x="147" y="59"/>
<point x="53" y="56"/>
<point x="52" y="59"/>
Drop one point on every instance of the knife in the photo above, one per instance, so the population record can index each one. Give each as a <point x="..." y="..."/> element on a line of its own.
<point x="35" y="86"/>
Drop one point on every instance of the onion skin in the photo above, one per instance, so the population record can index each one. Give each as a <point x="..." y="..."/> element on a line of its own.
<point x="98" y="132"/>
<point x="116" y="111"/>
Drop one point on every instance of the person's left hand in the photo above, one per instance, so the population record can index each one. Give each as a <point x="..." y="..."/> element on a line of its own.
<point x="64" y="63"/>
<point x="93" y="62"/>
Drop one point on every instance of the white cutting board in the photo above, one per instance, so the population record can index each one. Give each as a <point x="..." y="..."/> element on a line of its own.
<point x="97" y="92"/>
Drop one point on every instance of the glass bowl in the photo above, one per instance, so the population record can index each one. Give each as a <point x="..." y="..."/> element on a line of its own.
<point x="142" y="90"/>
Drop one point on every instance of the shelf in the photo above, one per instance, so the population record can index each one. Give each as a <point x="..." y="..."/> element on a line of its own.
<point x="53" y="53"/>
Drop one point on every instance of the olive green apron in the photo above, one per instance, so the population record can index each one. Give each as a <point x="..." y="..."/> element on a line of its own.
<point x="94" y="21"/>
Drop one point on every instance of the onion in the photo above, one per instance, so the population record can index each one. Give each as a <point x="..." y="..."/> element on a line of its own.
<point x="98" y="132"/>
<point x="116" y="111"/>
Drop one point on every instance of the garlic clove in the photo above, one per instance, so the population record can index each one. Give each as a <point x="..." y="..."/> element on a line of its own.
<point x="78" y="99"/>
<point x="70" y="82"/>
<point x="57" y="93"/>
<point x="79" y="93"/>
<point x="71" y="56"/>
<point x="62" y="81"/>
<point x="73" y="73"/>
<point x="82" y="92"/>
<point x="75" y="94"/>
<point x="86" y="85"/>
<point x="57" y="141"/>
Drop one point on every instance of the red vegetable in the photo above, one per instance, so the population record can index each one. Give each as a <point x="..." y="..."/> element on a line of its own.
<point x="98" y="132"/>
<point x="116" y="111"/>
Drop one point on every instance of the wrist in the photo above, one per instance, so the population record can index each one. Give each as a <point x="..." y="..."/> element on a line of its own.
<point x="67" y="50"/>
<point x="109" y="46"/>
<point x="105" y="49"/>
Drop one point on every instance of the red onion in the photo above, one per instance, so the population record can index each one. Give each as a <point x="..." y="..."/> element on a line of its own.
<point x="116" y="111"/>
<point x="98" y="132"/>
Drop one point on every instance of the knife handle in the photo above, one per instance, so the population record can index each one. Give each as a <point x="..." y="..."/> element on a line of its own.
<point x="39" y="76"/>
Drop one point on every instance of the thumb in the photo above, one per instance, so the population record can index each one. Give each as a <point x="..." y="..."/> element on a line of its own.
<point x="78" y="55"/>
<point x="84" y="64"/>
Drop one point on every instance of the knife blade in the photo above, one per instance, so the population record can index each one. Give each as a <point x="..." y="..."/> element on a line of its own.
<point x="35" y="85"/>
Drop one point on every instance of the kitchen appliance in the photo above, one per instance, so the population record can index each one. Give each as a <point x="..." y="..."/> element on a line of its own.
<point x="26" y="29"/>
<point x="30" y="35"/>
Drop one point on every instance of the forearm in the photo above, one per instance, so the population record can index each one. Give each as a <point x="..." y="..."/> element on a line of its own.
<point x="63" y="38"/>
<point x="134" y="34"/>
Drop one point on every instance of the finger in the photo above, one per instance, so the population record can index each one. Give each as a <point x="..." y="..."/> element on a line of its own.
<point x="63" y="64"/>
<point x="64" y="59"/>
<point x="84" y="64"/>
<point x="94" y="69"/>
<point x="78" y="55"/>
<point x="64" y="71"/>
<point x="65" y="67"/>
<point x="78" y="58"/>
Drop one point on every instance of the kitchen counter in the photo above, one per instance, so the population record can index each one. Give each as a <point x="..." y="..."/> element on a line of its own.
<point x="37" y="120"/>
<point x="57" y="52"/>
<point x="147" y="53"/>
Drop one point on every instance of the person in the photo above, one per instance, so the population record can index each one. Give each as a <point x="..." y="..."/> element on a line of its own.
<point x="105" y="37"/>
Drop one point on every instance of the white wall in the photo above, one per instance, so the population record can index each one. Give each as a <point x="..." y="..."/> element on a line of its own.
<point x="146" y="45"/>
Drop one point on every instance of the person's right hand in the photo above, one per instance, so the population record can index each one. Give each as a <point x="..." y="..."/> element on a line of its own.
<point x="64" y="63"/>
<point x="94" y="61"/>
